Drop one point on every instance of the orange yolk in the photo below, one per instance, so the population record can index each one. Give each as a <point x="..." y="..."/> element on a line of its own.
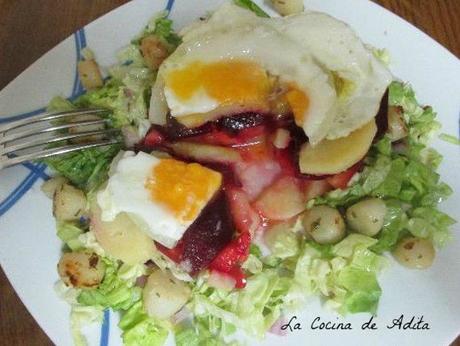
<point x="184" y="188"/>
<point x="299" y="103"/>
<point x="228" y="82"/>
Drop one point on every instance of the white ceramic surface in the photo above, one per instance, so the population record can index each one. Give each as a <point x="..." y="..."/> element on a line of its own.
<point x="29" y="249"/>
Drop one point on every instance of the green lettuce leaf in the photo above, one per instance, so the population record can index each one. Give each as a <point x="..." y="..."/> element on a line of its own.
<point x="87" y="169"/>
<point x="430" y="223"/>
<point x="60" y="104"/>
<point x="394" y="224"/>
<point x="421" y="121"/>
<point x="138" y="329"/>
<point x="282" y="240"/>
<point x="163" y="28"/>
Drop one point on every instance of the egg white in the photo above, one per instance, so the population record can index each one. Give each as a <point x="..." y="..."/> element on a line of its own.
<point x="126" y="192"/>
<point x="304" y="50"/>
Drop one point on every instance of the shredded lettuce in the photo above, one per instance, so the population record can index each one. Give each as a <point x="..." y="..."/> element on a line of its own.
<point x="251" y="6"/>
<point x="394" y="223"/>
<point x="282" y="241"/>
<point x="139" y="329"/>
<point x="115" y="291"/>
<point x="126" y="92"/>
<point x="449" y="138"/>
<point x="163" y="28"/>
<point x="197" y="334"/>
<point x="69" y="232"/>
<point x="80" y="316"/>
<point x="345" y="275"/>
<point x="253" y="309"/>
<point x="60" y="104"/>
<point x="406" y="179"/>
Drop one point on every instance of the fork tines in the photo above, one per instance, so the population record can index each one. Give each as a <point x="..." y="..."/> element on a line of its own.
<point x="30" y="139"/>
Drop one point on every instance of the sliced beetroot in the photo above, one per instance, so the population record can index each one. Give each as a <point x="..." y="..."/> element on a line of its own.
<point x="208" y="235"/>
<point x="239" y="122"/>
<point x="381" y="119"/>
<point x="154" y="138"/>
<point x="176" y="131"/>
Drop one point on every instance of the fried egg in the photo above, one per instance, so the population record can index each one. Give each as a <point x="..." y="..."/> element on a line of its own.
<point x="162" y="196"/>
<point x="235" y="61"/>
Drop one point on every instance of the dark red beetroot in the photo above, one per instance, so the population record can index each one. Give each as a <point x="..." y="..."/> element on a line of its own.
<point x="205" y="238"/>
<point x="235" y="124"/>
<point x="224" y="128"/>
<point x="209" y="239"/>
<point x="381" y="119"/>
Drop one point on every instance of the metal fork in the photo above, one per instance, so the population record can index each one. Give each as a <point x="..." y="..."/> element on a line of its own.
<point x="27" y="139"/>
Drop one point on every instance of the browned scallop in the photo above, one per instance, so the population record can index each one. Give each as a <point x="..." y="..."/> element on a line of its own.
<point x="69" y="203"/>
<point x="415" y="253"/>
<point x="81" y="269"/>
<point x="287" y="7"/>
<point x="154" y="51"/>
<point x="90" y="75"/>
<point x="324" y="224"/>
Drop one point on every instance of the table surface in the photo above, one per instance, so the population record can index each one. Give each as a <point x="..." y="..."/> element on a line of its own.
<point x="25" y="35"/>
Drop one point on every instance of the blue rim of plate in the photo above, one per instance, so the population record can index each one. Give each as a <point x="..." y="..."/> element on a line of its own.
<point x="37" y="170"/>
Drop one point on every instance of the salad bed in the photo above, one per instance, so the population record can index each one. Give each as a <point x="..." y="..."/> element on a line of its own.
<point x="398" y="171"/>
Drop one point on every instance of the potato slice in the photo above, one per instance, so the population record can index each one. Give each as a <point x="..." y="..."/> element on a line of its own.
<point x="282" y="200"/>
<point x="205" y="152"/>
<point x="335" y="156"/>
<point x="164" y="295"/>
<point x="122" y="238"/>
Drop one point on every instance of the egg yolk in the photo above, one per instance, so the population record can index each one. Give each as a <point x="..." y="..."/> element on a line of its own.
<point x="183" y="188"/>
<point x="299" y="103"/>
<point x="228" y="82"/>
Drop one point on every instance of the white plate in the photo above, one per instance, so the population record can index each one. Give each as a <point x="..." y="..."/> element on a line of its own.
<point x="29" y="249"/>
